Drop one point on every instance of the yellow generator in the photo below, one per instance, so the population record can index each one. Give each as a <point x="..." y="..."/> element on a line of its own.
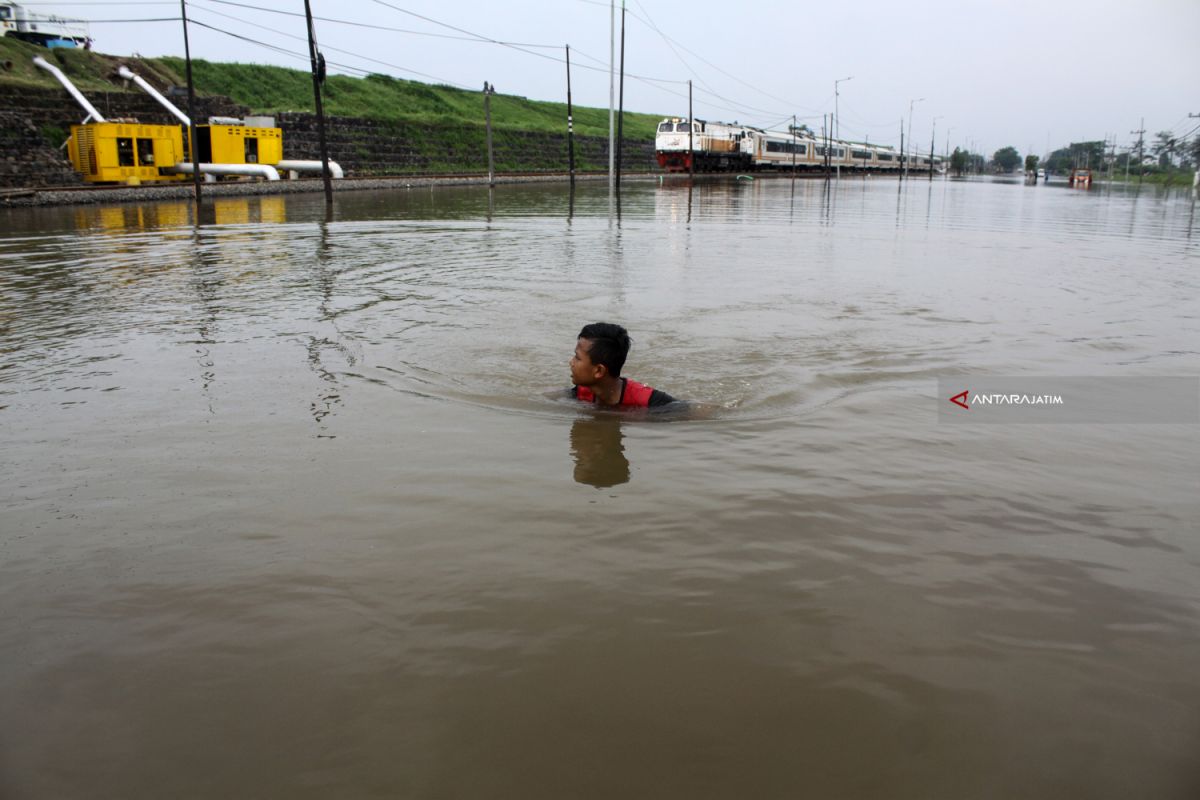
<point x="228" y="141"/>
<point x="125" y="152"/>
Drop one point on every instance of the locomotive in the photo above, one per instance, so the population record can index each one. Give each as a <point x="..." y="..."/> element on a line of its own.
<point x="704" y="146"/>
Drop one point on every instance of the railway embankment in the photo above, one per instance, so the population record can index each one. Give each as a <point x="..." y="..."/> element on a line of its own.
<point x="35" y="122"/>
<point x="37" y="116"/>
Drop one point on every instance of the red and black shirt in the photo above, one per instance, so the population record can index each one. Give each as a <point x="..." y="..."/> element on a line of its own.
<point x="633" y="395"/>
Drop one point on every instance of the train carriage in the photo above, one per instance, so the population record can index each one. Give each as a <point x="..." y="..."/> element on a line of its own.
<point x="717" y="146"/>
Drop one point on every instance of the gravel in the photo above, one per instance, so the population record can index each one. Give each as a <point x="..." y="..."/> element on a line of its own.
<point x="184" y="191"/>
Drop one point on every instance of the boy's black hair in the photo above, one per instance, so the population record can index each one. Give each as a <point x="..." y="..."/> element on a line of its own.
<point x="609" y="345"/>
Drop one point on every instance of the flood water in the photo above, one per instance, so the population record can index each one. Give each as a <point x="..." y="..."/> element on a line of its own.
<point x="289" y="508"/>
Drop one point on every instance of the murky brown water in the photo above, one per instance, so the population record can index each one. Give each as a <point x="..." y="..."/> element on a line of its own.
<point x="287" y="512"/>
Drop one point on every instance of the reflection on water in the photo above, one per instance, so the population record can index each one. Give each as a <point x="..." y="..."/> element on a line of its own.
<point x="284" y="493"/>
<point x="598" y="452"/>
<point x="121" y="219"/>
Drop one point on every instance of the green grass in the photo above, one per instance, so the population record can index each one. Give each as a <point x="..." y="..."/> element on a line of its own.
<point x="1155" y="175"/>
<point x="88" y="70"/>
<point x="269" y="90"/>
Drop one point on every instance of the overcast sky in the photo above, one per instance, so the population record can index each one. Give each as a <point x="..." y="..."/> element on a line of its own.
<point x="995" y="72"/>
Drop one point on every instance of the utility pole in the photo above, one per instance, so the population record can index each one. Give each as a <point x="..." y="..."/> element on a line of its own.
<point x="910" y="115"/>
<point x="570" y="123"/>
<point x="948" y="131"/>
<point x="825" y="136"/>
<point x="932" y="133"/>
<point x="1196" y="176"/>
<point x="318" y="76"/>
<point x="621" y="101"/>
<point x="612" y="65"/>
<point x="793" y="148"/>
<point x="903" y="160"/>
<point x="187" y="54"/>
<point x="691" y="141"/>
<point x="488" y="91"/>
<point x="1141" y="130"/>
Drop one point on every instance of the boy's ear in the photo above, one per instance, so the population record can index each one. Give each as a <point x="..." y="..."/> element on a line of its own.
<point x="600" y="371"/>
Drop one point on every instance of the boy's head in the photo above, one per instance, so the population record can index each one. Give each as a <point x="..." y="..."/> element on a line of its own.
<point x="600" y="352"/>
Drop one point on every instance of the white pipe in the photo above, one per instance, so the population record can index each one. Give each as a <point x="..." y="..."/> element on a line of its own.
<point x="70" y="87"/>
<point x="335" y="171"/>
<point x="257" y="170"/>
<point x="130" y="75"/>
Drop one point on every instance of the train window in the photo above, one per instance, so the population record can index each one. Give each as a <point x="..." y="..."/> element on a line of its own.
<point x="682" y="127"/>
<point x="125" y="153"/>
<point x="786" y="147"/>
<point x="5" y="12"/>
<point x="884" y="156"/>
<point x="145" y="152"/>
<point x="861" y="154"/>
<point x="664" y="127"/>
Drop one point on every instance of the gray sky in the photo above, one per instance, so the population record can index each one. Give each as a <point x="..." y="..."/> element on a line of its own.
<point x="998" y="72"/>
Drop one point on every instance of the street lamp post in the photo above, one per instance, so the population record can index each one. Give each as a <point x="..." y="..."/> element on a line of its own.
<point x="932" y="139"/>
<point x="837" y="129"/>
<point x="948" y="132"/>
<point x="910" y="113"/>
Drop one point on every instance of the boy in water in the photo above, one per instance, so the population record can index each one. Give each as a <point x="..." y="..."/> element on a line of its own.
<point x="596" y="370"/>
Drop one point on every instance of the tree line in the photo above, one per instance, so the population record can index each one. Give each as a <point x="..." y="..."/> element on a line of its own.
<point x="1164" y="153"/>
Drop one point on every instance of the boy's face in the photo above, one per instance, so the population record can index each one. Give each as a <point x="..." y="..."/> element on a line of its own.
<point x="583" y="371"/>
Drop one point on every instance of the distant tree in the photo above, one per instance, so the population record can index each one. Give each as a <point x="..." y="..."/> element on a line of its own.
<point x="1163" y="148"/>
<point x="958" y="161"/>
<point x="1078" y="154"/>
<point x="1006" y="159"/>
<point x="1031" y="163"/>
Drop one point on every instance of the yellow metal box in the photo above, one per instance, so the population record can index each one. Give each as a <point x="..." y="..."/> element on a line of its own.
<point x="239" y="144"/>
<point x="121" y="152"/>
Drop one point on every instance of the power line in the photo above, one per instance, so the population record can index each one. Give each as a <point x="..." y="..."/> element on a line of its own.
<point x="669" y="40"/>
<point x="306" y="57"/>
<point x="108" y="21"/>
<point x="371" y="26"/>
<point x="671" y="45"/>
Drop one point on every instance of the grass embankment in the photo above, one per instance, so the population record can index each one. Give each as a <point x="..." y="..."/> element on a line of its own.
<point x="1157" y="177"/>
<point x="268" y="90"/>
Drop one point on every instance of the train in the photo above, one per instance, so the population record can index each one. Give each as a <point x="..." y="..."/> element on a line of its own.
<point x="47" y="30"/>
<point x="723" y="147"/>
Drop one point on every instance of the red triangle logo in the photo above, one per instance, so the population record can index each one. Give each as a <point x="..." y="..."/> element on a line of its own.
<point x="960" y="399"/>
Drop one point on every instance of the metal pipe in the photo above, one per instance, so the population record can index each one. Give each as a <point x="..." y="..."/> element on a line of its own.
<point x="130" y="75"/>
<point x="70" y="87"/>
<point x="257" y="170"/>
<point x="335" y="170"/>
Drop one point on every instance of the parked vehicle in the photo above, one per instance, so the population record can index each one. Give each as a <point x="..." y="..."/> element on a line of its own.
<point x="47" y="30"/>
